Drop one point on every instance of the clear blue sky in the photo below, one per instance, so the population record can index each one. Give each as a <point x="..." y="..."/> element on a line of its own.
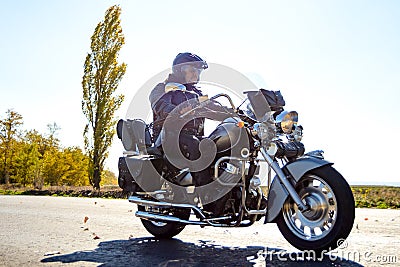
<point x="336" y="62"/>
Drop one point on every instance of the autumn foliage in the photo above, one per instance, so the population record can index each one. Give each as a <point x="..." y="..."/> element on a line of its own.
<point x="30" y="158"/>
<point x="102" y="75"/>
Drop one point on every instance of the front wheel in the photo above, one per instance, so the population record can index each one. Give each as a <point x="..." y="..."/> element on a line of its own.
<point x="331" y="215"/>
<point x="165" y="230"/>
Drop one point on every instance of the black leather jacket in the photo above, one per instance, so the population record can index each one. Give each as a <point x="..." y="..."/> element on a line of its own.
<point x="163" y="104"/>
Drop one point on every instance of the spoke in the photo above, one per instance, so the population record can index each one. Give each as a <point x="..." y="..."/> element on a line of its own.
<point x="318" y="231"/>
<point x="331" y="214"/>
<point x="326" y="226"/>
<point x="307" y="232"/>
<point x="322" y="188"/>
<point x="298" y="224"/>
<point x="329" y="194"/>
<point x="316" y="183"/>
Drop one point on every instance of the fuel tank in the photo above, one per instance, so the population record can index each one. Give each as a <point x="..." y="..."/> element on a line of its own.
<point x="229" y="138"/>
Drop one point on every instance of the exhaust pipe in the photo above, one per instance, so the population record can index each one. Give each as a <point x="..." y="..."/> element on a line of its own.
<point x="145" y="202"/>
<point x="166" y="218"/>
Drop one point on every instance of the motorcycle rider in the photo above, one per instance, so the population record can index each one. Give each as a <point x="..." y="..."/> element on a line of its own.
<point x="186" y="70"/>
<point x="168" y="104"/>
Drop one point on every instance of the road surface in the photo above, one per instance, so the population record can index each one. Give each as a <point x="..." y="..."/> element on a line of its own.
<point x="54" y="231"/>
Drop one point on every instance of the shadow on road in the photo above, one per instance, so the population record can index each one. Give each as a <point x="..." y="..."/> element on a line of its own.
<point x="174" y="252"/>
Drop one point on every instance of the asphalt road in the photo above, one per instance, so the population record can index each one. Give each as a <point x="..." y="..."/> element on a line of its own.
<point x="51" y="231"/>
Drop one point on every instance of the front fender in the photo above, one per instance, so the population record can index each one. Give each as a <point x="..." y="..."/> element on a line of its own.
<point x="277" y="194"/>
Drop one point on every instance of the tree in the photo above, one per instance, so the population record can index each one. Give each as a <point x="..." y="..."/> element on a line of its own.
<point x="109" y="178"/>
<point x="75" y="163"/>
<point x="54" y="167"/>
<point x="52" y="139"/>
<point x="48" y="157"/>
<point x="28" y="165"/>
<point x="102" y="75"/>
<point x="8" y="134"/>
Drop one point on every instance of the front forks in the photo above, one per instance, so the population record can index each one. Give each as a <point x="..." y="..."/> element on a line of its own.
<point x="285" y="182"/>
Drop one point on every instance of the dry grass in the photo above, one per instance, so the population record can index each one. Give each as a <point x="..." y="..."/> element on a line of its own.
<point x="382" y="197"/>
<point x="377" y="196"/>
<point x="107" y="191"/>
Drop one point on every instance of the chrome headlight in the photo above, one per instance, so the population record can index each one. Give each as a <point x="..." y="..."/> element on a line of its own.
<point x="287" y="121"/>
<point x="260" y="130"/>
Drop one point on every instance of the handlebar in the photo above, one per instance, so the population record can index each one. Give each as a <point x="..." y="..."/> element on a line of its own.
<point x="202" y="104"/>
<point x="227" y="96"/>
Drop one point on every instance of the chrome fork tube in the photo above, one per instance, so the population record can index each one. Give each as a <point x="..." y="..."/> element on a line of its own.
<point x="282" y="177"/>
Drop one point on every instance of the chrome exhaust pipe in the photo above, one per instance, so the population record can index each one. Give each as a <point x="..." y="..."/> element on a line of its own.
<point x="145" y="202"/>
<point x="166" y="218"/>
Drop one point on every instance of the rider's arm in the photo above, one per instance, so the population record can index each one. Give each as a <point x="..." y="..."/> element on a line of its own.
<point x="163" y="106"/>
<point x="156" y="94"/>
<point x="216" y="111"/>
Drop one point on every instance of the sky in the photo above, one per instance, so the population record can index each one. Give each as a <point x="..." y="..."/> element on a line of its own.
<point x="337" y="63"/>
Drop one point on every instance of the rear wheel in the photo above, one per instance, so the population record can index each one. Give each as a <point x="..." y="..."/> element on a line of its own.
<point x="331" y="215"/>
<point x="164" y="229"/>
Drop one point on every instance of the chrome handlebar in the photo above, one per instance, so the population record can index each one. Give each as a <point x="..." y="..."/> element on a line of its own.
<point x="211" y="98"/>
<point x="227" y="96"/>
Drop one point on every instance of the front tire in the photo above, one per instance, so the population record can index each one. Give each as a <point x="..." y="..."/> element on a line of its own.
<point x="331" y="215"/>
<point x="165" y="230"/>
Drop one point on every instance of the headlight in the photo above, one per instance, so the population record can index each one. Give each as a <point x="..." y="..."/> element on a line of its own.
<point x="260" y="130"/>
<point x="287" y="121"/>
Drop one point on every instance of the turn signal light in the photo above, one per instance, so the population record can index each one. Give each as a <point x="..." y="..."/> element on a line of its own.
<point x="240" y="124"/>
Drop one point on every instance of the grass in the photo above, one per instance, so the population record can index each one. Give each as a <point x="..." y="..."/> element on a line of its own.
<point x="109" y="191"/>
<point x="381" y="197"/>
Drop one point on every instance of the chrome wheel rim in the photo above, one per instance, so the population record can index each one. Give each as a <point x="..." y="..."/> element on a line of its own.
<point x="320" y="219"/>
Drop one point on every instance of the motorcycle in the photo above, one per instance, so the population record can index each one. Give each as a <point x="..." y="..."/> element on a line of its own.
<point x="309" y="200"/>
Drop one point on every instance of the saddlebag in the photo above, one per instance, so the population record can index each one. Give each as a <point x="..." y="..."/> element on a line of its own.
<point x="134" y="134"/>
<point x="139" y="174"/>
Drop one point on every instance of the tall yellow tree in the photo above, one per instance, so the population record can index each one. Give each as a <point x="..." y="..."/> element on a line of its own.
<point x="102" y="75"/>
<point x="8" y="133"/>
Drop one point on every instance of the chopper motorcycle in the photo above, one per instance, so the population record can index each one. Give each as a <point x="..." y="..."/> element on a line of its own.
<point x="310" y="201"/>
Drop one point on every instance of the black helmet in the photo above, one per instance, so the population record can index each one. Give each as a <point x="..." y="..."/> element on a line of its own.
<point x="188" y="58"/>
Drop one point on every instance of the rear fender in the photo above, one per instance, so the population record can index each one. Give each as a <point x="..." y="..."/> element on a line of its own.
<point x="277" y="194"/>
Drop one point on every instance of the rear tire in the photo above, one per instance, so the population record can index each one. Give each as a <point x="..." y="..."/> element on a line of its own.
<point x="165" y="230"/>
<point x="330" y="218"/>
